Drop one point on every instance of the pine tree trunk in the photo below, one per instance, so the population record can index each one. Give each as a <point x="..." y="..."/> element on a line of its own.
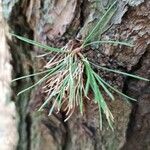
<point x="55" y="22"/>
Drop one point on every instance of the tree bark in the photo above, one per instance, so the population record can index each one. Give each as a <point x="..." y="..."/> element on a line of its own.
<point x="8" y="113"/>
<point x="54" y="22"/>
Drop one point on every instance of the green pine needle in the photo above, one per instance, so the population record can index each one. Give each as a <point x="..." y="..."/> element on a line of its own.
<point x="30" y="75"/>
<point x="99" y="27"/>
<point x="109" y="42"/>
<point x="120" y="72"/>
<point x="32" y="42"/>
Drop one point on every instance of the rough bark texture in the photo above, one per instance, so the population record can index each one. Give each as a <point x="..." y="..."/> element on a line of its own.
<point x="54" y="22"/>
